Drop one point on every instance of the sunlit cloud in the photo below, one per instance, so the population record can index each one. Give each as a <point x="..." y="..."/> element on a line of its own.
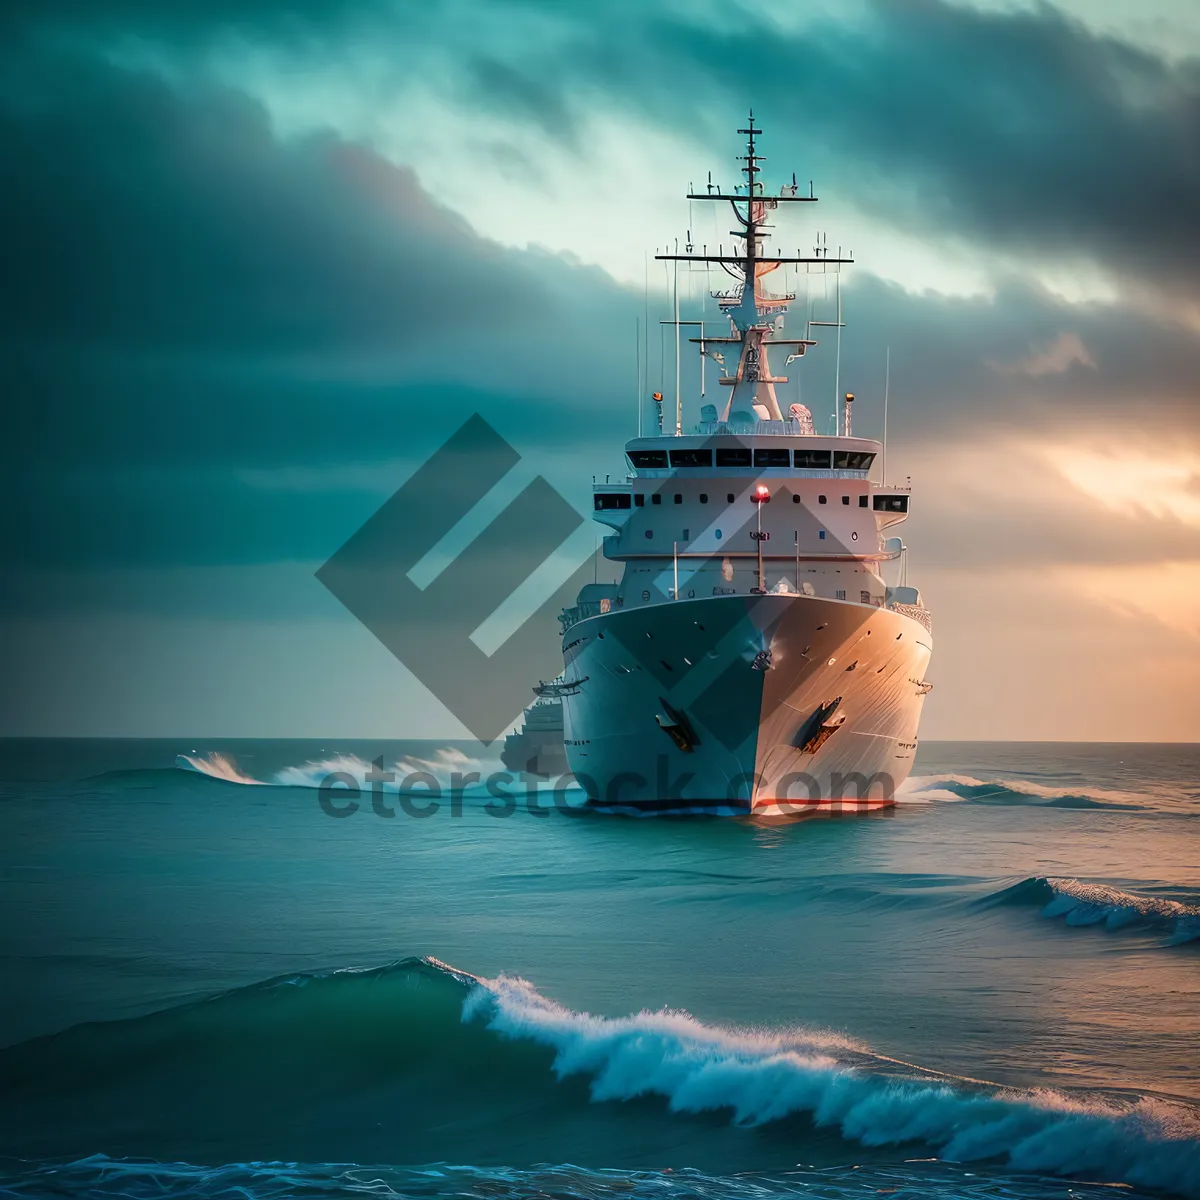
<point x="1164" y="484"/>
<point x="1167" y="592"/>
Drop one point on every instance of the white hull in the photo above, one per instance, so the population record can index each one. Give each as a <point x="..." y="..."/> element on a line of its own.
<point x="752" y="737"/>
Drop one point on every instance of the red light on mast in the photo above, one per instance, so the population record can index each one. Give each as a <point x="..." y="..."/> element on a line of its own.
<point x="761" y="495"/>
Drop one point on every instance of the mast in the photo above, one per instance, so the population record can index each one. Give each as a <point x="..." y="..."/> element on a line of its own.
<point x="752" y="313"/>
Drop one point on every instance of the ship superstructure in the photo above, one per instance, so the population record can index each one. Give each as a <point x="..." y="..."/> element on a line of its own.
<point x="752" y="655"/>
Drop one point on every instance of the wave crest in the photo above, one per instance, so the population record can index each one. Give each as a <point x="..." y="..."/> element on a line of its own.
<point x="399" y="1063"/>
<point x="448" y="766"/>
<point x="765" y="1077"/>
<point x="1102" y="904"/>
<point x="951" y="788"/>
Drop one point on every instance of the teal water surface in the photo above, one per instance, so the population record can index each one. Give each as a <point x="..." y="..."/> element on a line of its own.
<point x="993" y="987"/>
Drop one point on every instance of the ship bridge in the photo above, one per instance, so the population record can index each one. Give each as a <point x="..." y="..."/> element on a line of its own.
<point x="750" y="499"/>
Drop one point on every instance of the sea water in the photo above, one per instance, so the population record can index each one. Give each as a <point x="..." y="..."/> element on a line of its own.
<point x="223" y="979"/>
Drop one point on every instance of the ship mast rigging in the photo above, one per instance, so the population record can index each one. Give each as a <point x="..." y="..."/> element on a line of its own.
<point x="752" y="312"/>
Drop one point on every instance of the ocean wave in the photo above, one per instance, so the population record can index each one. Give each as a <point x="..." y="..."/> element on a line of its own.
<point x="418" y="1060"/>
<point x="447" y="767"/>
<point x="1101" y="904"/>
<point x="218" y="766"/>
<point x="764" y="1077"/>
<point x="141" y="1179"/>
<point x="954" y="788"/>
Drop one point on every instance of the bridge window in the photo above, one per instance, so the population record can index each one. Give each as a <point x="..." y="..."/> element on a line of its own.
<point x="862" y="502"/>
<point x="820" y="499"/>
<point x="639" y="501"/>
<point x="840" y="594"/>
<point x="773" y="457"/>
<point x="734" y="456"/>
<point x="728" y="497"/>
<point x="852" y="460"/>
<point x="818" y="459"/>
<point x="891" y="504"/>
<point x="648" y="458"/>
<point x="603" y="500"/>
<point x="656" y="498"/>
<point x="691" y="458"/>
<point x="678" y="498"/>
<point x="845" y="499"/>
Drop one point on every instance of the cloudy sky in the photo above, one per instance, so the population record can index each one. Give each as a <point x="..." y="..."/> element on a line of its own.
<point x="262" y="257"/>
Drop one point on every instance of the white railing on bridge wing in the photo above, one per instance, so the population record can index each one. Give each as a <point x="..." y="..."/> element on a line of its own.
<point x="747" y="428"/>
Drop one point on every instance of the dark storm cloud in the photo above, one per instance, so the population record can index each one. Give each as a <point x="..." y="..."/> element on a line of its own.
<point x="139" y="216"/>
<point x="959" y="363"/>
<point x="185" y="293"/>
<point x="1024" y="128"/>
<point x="280" y="18"/>
<point x="176" y="280"/>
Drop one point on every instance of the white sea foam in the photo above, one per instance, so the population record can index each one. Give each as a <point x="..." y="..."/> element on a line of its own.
<point x="218" y="766"/>
<point x="947" y="789"/>
<point x="764" y="1076"/>
<point x="449" y="768"/>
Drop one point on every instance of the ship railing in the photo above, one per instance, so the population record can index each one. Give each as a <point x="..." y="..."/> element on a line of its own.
<point x="588" y="608"/>
<point x="921" y="615"/>
<point x="713" y="428"/>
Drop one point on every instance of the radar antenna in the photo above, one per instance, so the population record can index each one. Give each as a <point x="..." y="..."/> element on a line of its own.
<point x="753" y="314"/>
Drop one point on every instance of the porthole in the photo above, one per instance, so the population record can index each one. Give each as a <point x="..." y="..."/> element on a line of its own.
<point x="645" y="594"/>
<point x="729" y="498"/>
<point x="795" y="497"/>
<point x="854" y="537"/>
<point x="821" y="500"/>
<point x="649" y="533"/>
<point x="678" y="498"/>
<point x="703" y="497"/>
<point x="719" y="535"/>
<point x="691" y="593"/>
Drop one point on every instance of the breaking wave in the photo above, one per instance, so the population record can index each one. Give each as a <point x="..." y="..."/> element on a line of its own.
<point x="449" y="767"/>
<point x="410" y="1062"/>
<point x="1100" y="904"/>
<point x="951" y="788"/>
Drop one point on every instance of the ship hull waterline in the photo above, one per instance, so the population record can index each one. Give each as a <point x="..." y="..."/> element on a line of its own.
<point x="777" y="703"/>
